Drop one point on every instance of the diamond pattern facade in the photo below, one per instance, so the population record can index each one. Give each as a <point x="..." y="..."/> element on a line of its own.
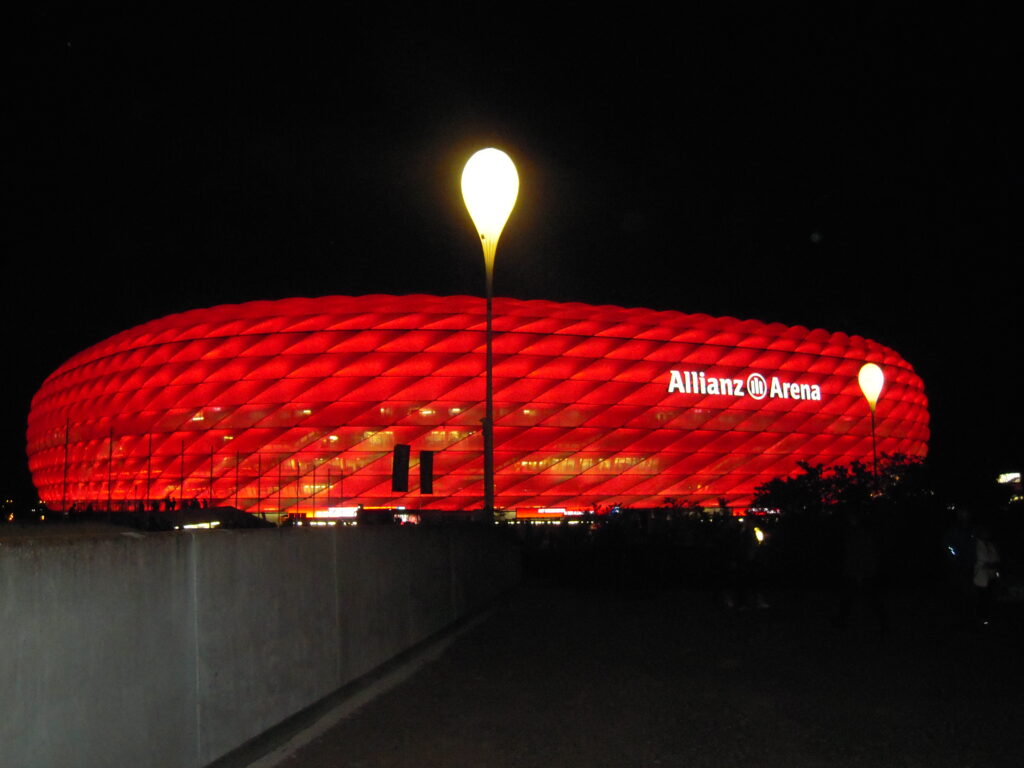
<point x="296" y="405"/>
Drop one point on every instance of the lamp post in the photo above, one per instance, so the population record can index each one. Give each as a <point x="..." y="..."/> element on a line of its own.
<point x="490" y="185"/>
<point x="871" y="380"/>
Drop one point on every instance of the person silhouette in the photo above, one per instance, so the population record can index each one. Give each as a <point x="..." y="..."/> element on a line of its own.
<point x="986" y="572"/>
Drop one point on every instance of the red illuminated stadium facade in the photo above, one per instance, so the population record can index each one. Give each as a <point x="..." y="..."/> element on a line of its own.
<point x="295" y="406"/>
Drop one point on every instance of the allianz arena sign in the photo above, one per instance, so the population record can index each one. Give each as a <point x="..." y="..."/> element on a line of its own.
<point x="754" y="385"/>
<point x="297" y="405"/>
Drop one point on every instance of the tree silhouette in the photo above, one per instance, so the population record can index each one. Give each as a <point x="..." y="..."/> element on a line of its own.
<point x="820" y="490"/>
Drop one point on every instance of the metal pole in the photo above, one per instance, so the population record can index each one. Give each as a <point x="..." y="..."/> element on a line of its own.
<point x="259" y="477"/>
<point x="489" y="407"/>
<point x="874" y="452"/>
<point x="149" y="471"/>
<point x="181" y="490"/>
<point x="64" y="491"/>
<point x="238" y="461"/>
<point x="110" y="467"/>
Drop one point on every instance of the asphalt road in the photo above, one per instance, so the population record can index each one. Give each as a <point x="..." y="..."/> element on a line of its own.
<point x="645" y="677"/>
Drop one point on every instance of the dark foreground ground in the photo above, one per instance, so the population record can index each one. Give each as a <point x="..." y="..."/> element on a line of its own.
<point x="644" y="677"/>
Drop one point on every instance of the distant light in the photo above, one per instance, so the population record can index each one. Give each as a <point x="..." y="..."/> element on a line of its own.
<point x="1008" y="477"/>
<point x="871" y="380"/>
<point x="759" y="535"/>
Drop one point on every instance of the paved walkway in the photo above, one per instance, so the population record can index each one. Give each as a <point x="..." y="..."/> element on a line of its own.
<point x="560" y="677"/>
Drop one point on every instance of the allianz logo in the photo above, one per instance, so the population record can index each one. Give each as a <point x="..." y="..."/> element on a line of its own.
<point x="754" y="385"/>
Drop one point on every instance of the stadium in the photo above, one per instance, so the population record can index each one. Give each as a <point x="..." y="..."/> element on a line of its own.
<point x="296" y="406"/>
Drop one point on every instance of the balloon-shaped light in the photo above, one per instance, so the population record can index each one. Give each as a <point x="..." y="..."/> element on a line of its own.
<point x="871" y="380"/>
<point x="490" y="186"/>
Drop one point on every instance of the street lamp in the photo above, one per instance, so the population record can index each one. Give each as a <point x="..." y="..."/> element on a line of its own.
<point x="871" y="380"/>
<point x="490" y="185"/>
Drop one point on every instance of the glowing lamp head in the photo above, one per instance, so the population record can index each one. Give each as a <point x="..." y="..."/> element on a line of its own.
<point x="490" y="186"/>
<point x="871" y="380"/>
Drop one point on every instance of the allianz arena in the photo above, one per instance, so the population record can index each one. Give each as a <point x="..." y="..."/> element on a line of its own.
<point x="295" y="406"/>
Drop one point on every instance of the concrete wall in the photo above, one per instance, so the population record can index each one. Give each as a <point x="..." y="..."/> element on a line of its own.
<point x="173" y="649"/>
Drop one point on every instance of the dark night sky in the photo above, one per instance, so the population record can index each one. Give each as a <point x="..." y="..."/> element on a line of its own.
<point x="848" y="171"/>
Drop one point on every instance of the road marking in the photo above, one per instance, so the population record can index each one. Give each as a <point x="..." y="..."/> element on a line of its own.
<point x="349" y="706"/>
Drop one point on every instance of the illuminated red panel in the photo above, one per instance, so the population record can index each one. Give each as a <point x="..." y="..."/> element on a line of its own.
<point x="296" y="405"/>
